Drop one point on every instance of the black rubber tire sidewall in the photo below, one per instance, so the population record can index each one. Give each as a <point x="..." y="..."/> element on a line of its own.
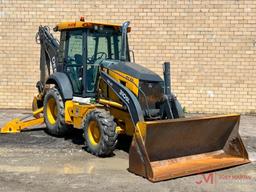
<point x="59" y="128"/>
<point x="107" y="126"/>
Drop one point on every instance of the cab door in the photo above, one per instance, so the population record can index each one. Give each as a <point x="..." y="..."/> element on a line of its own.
<point x="74" y="59"/>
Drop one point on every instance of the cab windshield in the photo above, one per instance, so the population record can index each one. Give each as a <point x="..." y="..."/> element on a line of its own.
<point x="100" y="46"/>
<point x="103" y="46"/>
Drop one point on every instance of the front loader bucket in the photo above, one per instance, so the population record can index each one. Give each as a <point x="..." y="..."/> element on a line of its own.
<point x="168" y="149"/>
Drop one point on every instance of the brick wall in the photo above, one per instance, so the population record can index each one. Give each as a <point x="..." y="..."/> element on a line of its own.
<point x="210" y="43"/>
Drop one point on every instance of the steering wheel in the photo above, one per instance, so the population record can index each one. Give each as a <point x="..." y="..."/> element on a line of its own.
<point x="101" y="54"/>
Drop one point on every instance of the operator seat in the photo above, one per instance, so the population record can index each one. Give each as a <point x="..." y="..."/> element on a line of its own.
<point x="78" y="59"/>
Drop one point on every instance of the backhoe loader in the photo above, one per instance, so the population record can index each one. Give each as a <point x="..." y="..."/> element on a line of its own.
<point x="88" y="81"/>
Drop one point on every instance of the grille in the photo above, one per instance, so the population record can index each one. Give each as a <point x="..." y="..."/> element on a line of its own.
<point x="153" y="92"/>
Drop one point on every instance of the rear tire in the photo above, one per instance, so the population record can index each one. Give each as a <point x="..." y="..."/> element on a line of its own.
<point x="36" y="104"/>
<point x="54" y="116"/>
<point x="100" y="132"/>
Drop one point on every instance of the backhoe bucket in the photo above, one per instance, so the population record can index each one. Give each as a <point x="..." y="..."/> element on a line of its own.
<point x="168" y="149"/>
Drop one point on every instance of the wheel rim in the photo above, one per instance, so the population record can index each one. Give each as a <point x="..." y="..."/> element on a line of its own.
<point x="94" y="133"/>
<point x="52" y="111"/>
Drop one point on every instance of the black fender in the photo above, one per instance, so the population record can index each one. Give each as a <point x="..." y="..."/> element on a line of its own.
<point x="63" y="83"/>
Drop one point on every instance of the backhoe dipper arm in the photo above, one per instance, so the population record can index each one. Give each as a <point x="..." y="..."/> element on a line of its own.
<point x="48" y="56"/>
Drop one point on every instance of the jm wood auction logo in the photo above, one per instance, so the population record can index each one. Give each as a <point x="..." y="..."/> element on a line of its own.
<point x="206" y="178"/>
<point x="212" y="178"/>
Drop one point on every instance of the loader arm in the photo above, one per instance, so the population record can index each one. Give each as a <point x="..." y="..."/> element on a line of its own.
<point x="136" y="114"/>
<point x="126" y="96"/>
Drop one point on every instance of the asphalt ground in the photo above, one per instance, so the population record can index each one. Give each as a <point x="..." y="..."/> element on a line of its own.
<point x="35" y="161"/>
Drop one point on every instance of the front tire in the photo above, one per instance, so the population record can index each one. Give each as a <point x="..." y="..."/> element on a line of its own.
<point x="54" y="113"/>
<point x="100" y="132"/>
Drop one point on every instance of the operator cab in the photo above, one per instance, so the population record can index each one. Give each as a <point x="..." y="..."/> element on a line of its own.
<point x="83" y="46"/>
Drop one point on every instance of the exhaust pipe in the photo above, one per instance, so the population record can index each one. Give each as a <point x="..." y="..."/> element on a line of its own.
<point x="171" y="106"/>
<point x="124" y="41"/>
<point x="167" y="79"/>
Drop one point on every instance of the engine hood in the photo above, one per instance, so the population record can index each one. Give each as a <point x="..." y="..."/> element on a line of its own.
<point x="132" y="69"/>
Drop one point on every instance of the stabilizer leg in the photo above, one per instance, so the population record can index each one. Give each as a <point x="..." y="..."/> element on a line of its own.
<point x="17" y="125"/>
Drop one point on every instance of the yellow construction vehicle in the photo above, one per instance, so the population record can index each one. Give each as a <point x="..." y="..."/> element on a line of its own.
<point x="89" y="82"/>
